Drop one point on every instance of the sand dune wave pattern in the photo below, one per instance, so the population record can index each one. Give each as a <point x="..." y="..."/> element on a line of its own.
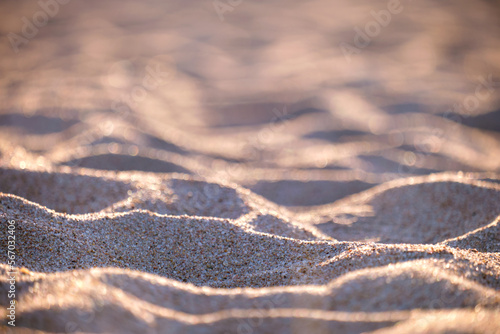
<point x="250" y="167"/>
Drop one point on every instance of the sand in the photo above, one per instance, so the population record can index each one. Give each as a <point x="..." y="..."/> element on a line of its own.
<point x="146" y="264"/>
<point x="264" y="183"/>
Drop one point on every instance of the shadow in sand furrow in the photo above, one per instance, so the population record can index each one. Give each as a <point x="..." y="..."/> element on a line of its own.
<point x="121" y="162"/>
<point x="156" y="142"/>
<point x="489" y="121"/>
<point x="443" y="210"/>
<point x="109" y="140"/>
<point x="57" y="191"/>
<point x="336" y="135"/>
<point x="256" y="114"/>
<point x="302" y="193"/>
<point x="37" y="124"/>
<point x="206" y="199"/>
<point x="378" y="164"/>
<point x="402" y="108"/>
<point x="277" y="226"/>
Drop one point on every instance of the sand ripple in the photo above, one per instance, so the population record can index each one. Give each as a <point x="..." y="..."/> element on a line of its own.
<point x="265" y="184"/>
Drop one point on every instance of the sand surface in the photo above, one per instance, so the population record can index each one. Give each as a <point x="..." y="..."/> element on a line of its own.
<point x="173" y="170"/>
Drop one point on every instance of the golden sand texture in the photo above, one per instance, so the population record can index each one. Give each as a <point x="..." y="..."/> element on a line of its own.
<point x="166" y="169"/>
<point x="196" y="272"/>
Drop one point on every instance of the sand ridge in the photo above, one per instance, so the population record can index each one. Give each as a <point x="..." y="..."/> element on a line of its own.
<point x="301" y="273"/>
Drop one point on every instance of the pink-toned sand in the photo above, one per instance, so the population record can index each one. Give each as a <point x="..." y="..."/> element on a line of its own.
<point x="265" y="183"/>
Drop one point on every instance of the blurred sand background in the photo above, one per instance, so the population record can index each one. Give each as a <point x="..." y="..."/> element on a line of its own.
<point x="340" y="160"/>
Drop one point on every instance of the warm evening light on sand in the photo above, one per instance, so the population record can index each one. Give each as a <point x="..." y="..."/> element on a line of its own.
<point x="246" y="166"/>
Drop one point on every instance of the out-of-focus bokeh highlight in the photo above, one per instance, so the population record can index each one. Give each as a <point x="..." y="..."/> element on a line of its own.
<point x="284" y="97"/>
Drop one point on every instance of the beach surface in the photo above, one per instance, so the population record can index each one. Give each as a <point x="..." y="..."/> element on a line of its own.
<point x="250" y="167"/>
